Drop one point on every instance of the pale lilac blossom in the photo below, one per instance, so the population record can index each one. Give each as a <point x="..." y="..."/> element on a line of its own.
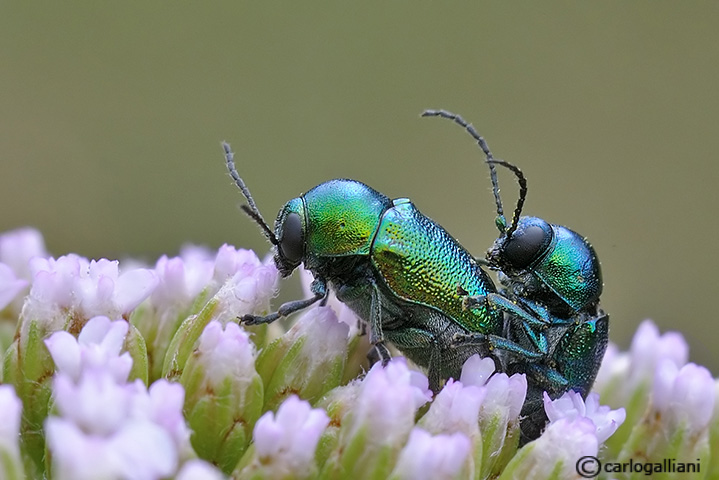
<point x="555" y="453"/>
<point x="86" y="287"/>
<point x="18" y="246"/>
<point x="138" y="451"/>
<point x="162" y="404"/>
<point x="96" y="403"/>
<point x="180" y="281"/>
<point x="427" y="457"/>
<point x="102" y="426"/>
<point x="626" y="378"/>
<point x="309" y="359"/>
<point x="98" y="346"/>
<point x="325" y="336"/>
<point x="224" y="393"/>
<point x="684" y="396"/>
<point x="378" y="414"/>
<point x="183" y="278"/>
<point x="387" y="400"/>
<point x="226" y="352"/>
<point x="10" y="411"/>
<point x="477" y="370"/>
<point x="10" y="285"/>
<point x="343" y="312"/>
<point x="198" y="470"/>
<point x="504" y="394"/>
<point x="455" y="409"/>
<point x="107" y="428"/>
<point x="253" y="276"/>
<point x="131" y="433"/>
<point x="285" y="443"/>
<point x="572" y="406"/>
<point x="498" y="412"/>
<point x="649" y="348"/>
<point x="247" y="284"/>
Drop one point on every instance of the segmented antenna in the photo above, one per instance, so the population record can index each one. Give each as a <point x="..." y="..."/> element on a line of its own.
<point x="492" y="171"/>
<point x="251" y="208"/>
<point x="522" y="193"/>
<point x="482" y="144"/>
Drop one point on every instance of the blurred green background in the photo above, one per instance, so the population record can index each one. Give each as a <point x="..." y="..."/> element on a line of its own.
<point x="111" y="117"/>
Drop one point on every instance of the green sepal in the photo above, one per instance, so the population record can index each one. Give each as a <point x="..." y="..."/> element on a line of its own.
<point x="500" y="439"/>
<point x="29" y="367"/>
<point x="247" y="467"/>
<point x="653" y="440"/>
<point x="287" y="368"/>
<point x="222" y="418"/>
<point x="184" y="340"/>
<point x="136" y="347"/>
<point x="505" y="454"/>
<point x="523" y="465"/>
<point x="336" y="403"/>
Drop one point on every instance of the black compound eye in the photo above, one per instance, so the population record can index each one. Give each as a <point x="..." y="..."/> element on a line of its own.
<point x="291" y="243"/>
<point x="526" y="245"/>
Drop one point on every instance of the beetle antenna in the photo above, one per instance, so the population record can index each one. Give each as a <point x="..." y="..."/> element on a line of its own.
<point x="251" y="208"/>
<point x="487" y="152"/>
<point x="522" y="193"/>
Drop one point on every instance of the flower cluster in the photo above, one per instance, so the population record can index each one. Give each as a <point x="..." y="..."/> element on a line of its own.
<point x="136" y="372"/>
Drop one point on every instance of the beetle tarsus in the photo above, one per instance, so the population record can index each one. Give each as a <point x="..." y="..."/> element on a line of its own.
<point x="251" y="320"/>
<point x="379" y="353"/>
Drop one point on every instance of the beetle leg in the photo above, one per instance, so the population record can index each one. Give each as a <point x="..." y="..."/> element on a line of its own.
<point x="494" y="342"/>
<point x="409" y="339"/>
<point x="318" y="287"/>
<point x="500" y="302"/>
<point x="548" y="378"/>
<point x="379" y="353"/>
<point x="533" y="323"/>
<point x="375" y="317"/>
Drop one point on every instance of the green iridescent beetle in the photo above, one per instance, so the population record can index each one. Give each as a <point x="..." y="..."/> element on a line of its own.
<point x="398" y="270"/>
<point x="555" y="331"/>
<point x="416" y="287"/>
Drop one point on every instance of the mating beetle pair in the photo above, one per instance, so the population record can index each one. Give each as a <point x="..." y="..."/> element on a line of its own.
<point x="416" y="287"/>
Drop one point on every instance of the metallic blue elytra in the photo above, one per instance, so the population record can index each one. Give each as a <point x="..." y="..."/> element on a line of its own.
<point x="402" y="274"/>
<point x="555" y="331"/>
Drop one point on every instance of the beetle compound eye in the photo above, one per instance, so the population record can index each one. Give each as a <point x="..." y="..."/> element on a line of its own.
<point x="526" y="245"/>
<point x="291" y="240"/>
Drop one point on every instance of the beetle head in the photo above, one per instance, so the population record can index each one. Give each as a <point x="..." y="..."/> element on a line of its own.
<point x="290" y="236"/>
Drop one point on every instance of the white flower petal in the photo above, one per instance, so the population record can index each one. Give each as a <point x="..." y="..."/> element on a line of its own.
<point x="133" y="287"/>
<point x="65" y="352"/>
<point x="198" y="470"/>
<point x="147" y="451"/>
<point x="10" y="409"/>
<point x="427" y="457"/>
<point x="571" y="406"/>
<point x="477" y="370"/>
<point x="10" y="285"/>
